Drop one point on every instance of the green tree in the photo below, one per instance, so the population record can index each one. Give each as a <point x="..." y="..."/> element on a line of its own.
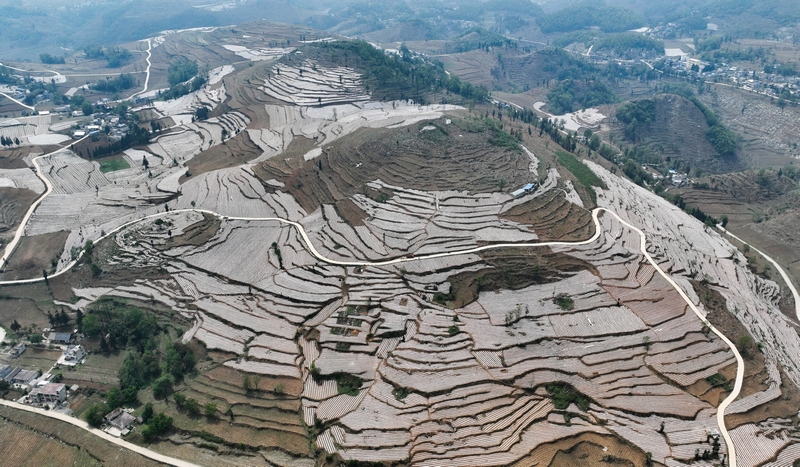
<point x="158" y="425"/>
<point x="147" y="413"/>
<point x="36" y="339"/>
<point x="87" y="108"/>
<point x="180" y="399"/>
<point x="210" y="409"/>
<point x="94" y="416"/>
<point x="162" y="387"/>
<point x="114" y="398"/>
<point x="192" y="406"/>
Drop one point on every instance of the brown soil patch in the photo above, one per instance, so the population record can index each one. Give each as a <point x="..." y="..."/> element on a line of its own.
<point x="196" y="234"/>
<point x="448" y="158"/>
<point x="232" y="153"/>
<point x="786" y="406"/>
<point x="14" y="203"/>
<point x="292" y="387"/>
<point x="585" y="450"/>
<point x="13" y="158"/>
<point x="34" y="254"/>
<point x="553" y="218"/>
<point x="350" y="212"/>
<point x="511" y="270"/>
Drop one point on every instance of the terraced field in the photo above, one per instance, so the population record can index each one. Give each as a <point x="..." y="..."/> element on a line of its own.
<point x="366" y="289"/>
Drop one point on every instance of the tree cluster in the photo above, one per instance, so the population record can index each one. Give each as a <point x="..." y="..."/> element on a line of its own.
<point x="587" y="14"/>
<point x="111" y="85"/>
<point x="8" y="141"/>
<point x="50" y="59"/>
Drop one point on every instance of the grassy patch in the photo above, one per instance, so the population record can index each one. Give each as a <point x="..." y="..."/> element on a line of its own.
<point x="348" y="384"/>
<point x="717" y="380"/>
<point x="564" y="301"/>
<point x="581" y="171"/>
<point x="564" y="394"/>
<point x="111" y="165"/>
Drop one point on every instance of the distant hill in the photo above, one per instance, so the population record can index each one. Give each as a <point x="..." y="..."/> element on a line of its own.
<point x="675" y="128"/>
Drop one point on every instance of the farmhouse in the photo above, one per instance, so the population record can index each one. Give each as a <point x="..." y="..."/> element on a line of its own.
<point x="72" y="355"/>
<point x="49" y="393"/>
<point x="60" y="337"/>
<point x="119" y="421"/>
<point x="23" y="377"/>
<point x="5" y="370"/>
<point x="17" y="350"/>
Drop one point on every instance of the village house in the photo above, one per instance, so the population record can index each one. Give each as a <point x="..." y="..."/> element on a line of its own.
<point x="72" y="355"/>
<point x="60" y="337"/>
<point x="17" y="350"/>
<point x="50" y="393"/>
<point x="119" y="421"/>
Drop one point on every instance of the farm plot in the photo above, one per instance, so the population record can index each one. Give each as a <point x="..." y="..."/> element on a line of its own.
<point x="24" y="447"/>
<point x="314" y="84"/>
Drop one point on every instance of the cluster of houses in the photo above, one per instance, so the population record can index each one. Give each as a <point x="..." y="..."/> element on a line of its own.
<point x="117" y="128"/>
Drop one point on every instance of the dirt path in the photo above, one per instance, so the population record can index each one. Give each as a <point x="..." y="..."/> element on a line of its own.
<point x="102" y="434"/>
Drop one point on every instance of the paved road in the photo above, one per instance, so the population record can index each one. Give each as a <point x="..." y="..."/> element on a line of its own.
<point x="102" y="434"/>
<point x="598" y="230"/>
<point x="783" y="273"/>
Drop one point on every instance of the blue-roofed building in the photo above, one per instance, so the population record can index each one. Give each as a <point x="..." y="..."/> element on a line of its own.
<point x="526" y="189"/>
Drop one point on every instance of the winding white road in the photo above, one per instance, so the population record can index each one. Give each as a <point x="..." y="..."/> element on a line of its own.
<point x="598" y="231"/>
<point x="102" y="434"/>
<point x="18" y="102"/>
<point x="783" y="273"/>
<point x="147" y="71"/>
<point x="21" y="229"/>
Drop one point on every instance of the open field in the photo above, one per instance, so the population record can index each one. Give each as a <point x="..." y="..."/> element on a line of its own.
<point x="71" y="443"/>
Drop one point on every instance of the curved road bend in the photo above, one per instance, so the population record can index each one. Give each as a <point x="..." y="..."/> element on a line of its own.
<point x="598" y="230"/>
<point x="102" y="434"/>
<point x="783" y="273"/>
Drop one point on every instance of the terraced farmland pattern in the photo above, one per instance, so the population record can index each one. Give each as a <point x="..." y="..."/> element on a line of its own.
<point x="366" y="288"/>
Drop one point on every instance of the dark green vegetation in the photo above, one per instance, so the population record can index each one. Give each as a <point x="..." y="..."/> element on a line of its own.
<point x="587" y="14"/>
<point x="635" y="114"/>
<point x="120" y="83"/>
<point x="573" y="94"/>
<point x="152" y="358"/>
<point x="564" y="394"/>
<point x="564" y="301"/>
<point x="115" y="56"/>
<point x="717" y="380"/>
<point x="184" y="76"/>
<point x="624" y="42"/>
<point x="348" y="384"/>
<point x="584" y="174"/>
<point x="389" y="76"/>
<point x="50" y="59"/>
<point x="477" y="38"/>
<point x="638" y="115"/>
